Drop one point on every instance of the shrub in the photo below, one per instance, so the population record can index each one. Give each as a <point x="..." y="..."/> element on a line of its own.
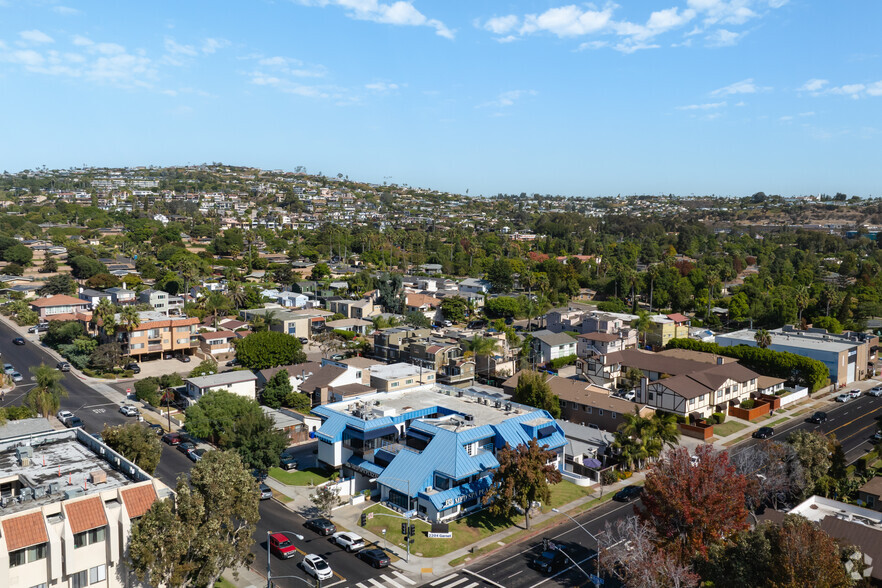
<point x="558" y="363"/>
<point x="348" y="335"/>
<point x="719" y="418"/>
<point x="748" y="403"/>
<point x="147" y="390"/>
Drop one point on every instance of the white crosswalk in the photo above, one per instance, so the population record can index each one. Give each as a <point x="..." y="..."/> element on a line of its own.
<point x="394" y="579"/>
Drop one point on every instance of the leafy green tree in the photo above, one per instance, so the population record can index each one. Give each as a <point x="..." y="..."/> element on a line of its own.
<point x="325" y="499"/>
<point x="454" y="309"/>
<point x="147" y="390"/>
<point x="523" y="477"/>
<point x="259" y="351"/>
<point x="300" y="402"/>
<point x="209" y="528"/>
<point x="83" y="267"/>
<point x="258" y="441"/>
<point x="107" y="356"/>
<point x="13" y="269"/>
<point x="206" y="367"/>
<point x="499" y="274"/>
<point x="418" y="320"/>
<point x="49" y="266"/>
<point x="277" y="389"/>
<point x="61" y="332"/>
<point x="320" y="271"/>
<point x="813" y="451"/>
<point x="45" y="397"/>
<point x="136" y="443"/>
<point x="19" y="254"/>
<point x="60" y="284"/>
<point x="503" y="306"/>
<point x="533" y="390"/>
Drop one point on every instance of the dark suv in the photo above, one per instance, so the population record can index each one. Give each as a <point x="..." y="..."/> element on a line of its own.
<point x="552" y="557"/>
<point x="628" y="493"/>
<point x="818" y="418"/>
<point x="764" y="433"/>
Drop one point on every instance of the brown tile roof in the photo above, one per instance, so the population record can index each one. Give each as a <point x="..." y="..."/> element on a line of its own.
<point x="86" y="514"/>
<point x="678" y="318"/>
<point x="695" y="356"/>
<point x="68" y="316"/>
<point x="322" y="378"/>
<point x="139" y="500"/>
<point x="418" y="300"/>
<point x="584" y="393"/>
<point x="873" y="486"/>
<point x="353" y="389"/>
<point x="24" y="531"/>
<point x="58" y="300"/>
<point x="608" y="337"/>
<point x="218" y="335"/>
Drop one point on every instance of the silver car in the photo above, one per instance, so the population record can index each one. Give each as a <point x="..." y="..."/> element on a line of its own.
<point x="17" y="377"/>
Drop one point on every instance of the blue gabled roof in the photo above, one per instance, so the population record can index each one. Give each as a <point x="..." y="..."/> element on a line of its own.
<point x="515" y="431"/>
<point x="478" y="487"/>
<point x="365" y="465"/>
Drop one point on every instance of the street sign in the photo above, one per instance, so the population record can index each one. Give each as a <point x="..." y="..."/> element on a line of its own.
<point x="598" y="581"/>
<point x="410" y="514"/>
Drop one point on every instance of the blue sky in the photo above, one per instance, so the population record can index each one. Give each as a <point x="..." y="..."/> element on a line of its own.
<point x="724" y="97"/>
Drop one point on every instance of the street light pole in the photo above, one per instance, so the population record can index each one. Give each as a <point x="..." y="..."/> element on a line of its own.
<point x="590" y="534"/>
<point x="269" y="573"/>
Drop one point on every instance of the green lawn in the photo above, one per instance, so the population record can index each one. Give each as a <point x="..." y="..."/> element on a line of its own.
<point x="224" y="583"/>
<point x="311" y="476"/>
<point x="467" y="530"/>
<point x="779" y="421"/>
<point x="727" y="428"/>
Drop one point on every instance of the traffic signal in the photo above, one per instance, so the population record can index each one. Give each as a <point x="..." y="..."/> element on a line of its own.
<point x="412" y="530"/>
<point x="363" y="519"/>
<point x="404" y="528"/>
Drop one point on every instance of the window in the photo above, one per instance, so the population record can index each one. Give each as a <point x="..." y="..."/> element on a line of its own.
<point x="691" y="402"/>
<point x="651" y="396"/>
<point x="80" y="579"/>
<point x="97" y="574"/>
<point x="600" y="411"/>
<point x="719" y="393"/>
<point x="613" y="414"/>
<point x="589" y="410"/>
<point x="27" y="555"/>
<point x="410" y="381"/>
<point x="89" y="537"/>
<point x="394" y="384"/>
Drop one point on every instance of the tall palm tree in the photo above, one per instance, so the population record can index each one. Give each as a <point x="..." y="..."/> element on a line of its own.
<point x="237" y="295"/>
<point x="105" y="312"/>
<point x="653" y="272"/>
<point x="802" y="296"/>
<point x="45" y="397"/>
<point x="642" y="323"/>
<point x="216" y="303"/>
<point x="130" y="319"/>
<point x="763" y="338"/>
<point x="483" y="347"/>
<point x="633" y="439"/>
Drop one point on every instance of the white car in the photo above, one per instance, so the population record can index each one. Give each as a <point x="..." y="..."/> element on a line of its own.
<point x="629" y="395"/>
<point x="348" y="541"/>
<point x="8" y="369"/>
<point x="855" y="393"/>
<point x="17" y="377"/>
<point x="317" y="567"/>
<point x="128" y="410"/>
<point x="63" y="415"/>
<point x="876" y="391"/>
<point x="843" y="398"/>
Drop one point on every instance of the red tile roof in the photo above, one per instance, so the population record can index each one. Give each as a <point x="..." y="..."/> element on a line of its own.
<point x="86" y="514"/>
<point x="139" y="500"/>
<point x="58" y="300"/>
<point x="24" y="531"/>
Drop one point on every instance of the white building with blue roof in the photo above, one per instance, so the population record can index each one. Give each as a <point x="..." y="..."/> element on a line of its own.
<point x="430" y="449"/>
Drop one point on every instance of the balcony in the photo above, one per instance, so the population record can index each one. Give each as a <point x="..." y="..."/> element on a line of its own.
<point x="154" y="348"/>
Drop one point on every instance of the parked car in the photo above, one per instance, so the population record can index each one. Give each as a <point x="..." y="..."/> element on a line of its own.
<point x="156" y="428"/>
<point x="184" y="358"/>
<point x="196" y="454"/>
<point x="877" y="436"/>
<point x="265" y="491"/>
<point x="628" y="493"/>
<point x="376" y="557"/>
<point x="129" y="410"/>
<point x="40" y="328"/>
<point x="73" y="422"/>
<point x="172" y="438"/>
<point x="818" y="418"/>
<point x="8" y="369"/>
<point x="280" y="545"/>
<point x="17" y="377"/>
<point x="763" y="433"/>
<point x="317" y="567"/>
<point x="843" y="398"/>
<point x="287" y="462"/>
<point x="62" y="366"/>
<point x="63" y="415"/>
<point x="348" y="541"/>
<point x="303" y="340"/>
<point x="233" y="363"/>
<point x="854" y="393"/>
<point x="337" y="357"/>
<point x="875" y="391"/>
<point x="134" y="368"/>
<point x="629" y="395"/>
<point x="186" y="447"/>
<point x="321" y="526"/>
<point x="18" y="341"/>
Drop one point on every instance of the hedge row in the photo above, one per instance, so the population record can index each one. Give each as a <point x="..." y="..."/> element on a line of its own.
<point x="804" y="371"/>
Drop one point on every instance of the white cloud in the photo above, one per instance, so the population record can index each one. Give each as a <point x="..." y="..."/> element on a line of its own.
<point x="65" y="10"/>
<point x="875" y="89"/>
<point x="211" y="45"/>
<point x="707" y="106"/>
<point x="400" y="13"/>
<point x="507" y="99"/>
<point x="174" y="48"/>
<point x="500" y="25"/>
<point x="290" y="67"/>
<point x="852" y="90"/>
<point x="813" y="85"/>
<point x="743" y="87"/>
<point x="35" y="36"/>
<point x="567" y="21"/>
<point x="382" y="87"/>
<point x="723" y="38"/>
<point x="786" y="118"/>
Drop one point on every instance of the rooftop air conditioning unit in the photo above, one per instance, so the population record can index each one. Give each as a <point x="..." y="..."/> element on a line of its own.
<point x="39" y="492"/>
<point x="26" y="495"/>
<point x="469" y="418"/>
<point x="73" y="493"/>
<point x="54" y="487"/>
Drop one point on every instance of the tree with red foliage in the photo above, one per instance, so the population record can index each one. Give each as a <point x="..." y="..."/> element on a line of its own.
<point x="694" y="506"/>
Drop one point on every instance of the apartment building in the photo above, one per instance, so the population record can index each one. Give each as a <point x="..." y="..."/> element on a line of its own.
<point x="68" y="505"/>
<point x="60" y="307"/>
<point x="663" y="328"/>
<point x="158" y="299"/>
<point x="548" y="346"/>
<point x="391" y="344"/>
<point x="399" y="376"/>
<point x="155" y="336"/>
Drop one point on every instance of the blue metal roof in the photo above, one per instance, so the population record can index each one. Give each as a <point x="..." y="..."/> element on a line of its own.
<point x="458" y="494"/>
<point x="365" y="465"/>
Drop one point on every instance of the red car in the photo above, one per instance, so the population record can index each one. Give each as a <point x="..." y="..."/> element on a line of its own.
<point x="282" y="546"/>
<point x="173" y="438"/>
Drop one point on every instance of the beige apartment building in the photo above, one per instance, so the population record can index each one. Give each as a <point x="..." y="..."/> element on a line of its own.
<point x="156" y="336"/>
<point x="67" y="523"/>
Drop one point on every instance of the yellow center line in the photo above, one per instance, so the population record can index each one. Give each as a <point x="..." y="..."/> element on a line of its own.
<point x="858" y="432"/>
<point x="853" y="420"/>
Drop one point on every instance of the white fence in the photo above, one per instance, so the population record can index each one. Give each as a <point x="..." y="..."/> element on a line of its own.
<point x="796" y="395"/>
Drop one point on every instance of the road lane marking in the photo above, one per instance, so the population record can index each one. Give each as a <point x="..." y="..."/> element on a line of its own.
<point x="391" y="581"/>
<point x="472" y="585"/>
<point x="402" y="577"/>
<point x="515" y="574"/>
<point x="442" y="580"/>
<point x="853" y="420"/>
<point x="456" y="583"/>
<point x="375" y="583"/>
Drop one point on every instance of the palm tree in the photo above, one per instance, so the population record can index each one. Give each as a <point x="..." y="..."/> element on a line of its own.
<point x="483" y="347"/>
<point x="653" y="276"/>
<point x="763" y="338"/>
<point x="633" y="439"/>
<point x="130" y="319"/>
<point x="642" y="323"/>
<point x="802" y="297"/>
<point x="45" y="397"/>
<point x="665" y="429"/>
<point x="105" y="312"/>
<point x="237" y="295"/>
<point x="215" y="303"/>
